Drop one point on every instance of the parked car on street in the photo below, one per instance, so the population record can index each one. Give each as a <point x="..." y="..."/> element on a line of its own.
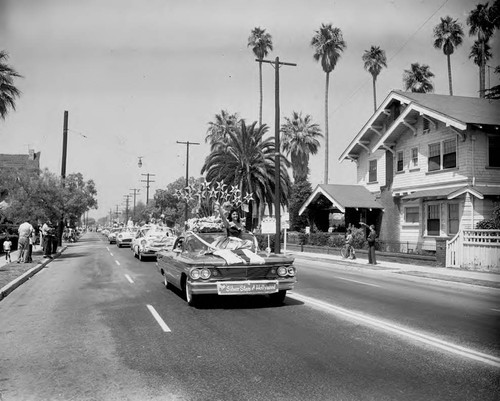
<point x="150" y="239"/>
<point x="212" y="263"/>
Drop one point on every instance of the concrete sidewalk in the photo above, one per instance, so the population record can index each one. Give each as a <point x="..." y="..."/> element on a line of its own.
<point x="485" y="279"/>
<point x="13" y="274"/>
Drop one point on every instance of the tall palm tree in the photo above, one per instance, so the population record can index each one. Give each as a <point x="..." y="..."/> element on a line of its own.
<point x="261" y="44"/>
<point x="418" y="79"/>
<point x="328" y="44"/>
<point x="482" y="22"/>
<point x="374" y="60"/>
<point x="448" y="34"/>
<point x="299" y="140"/>
<point x="219" y="129"/>
<point x="8" y="92"/>
<point x="479" y="53"/>
<point x="247" y="161"/>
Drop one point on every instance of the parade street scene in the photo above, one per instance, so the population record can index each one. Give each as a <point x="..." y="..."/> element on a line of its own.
<point x="246" y="200"/>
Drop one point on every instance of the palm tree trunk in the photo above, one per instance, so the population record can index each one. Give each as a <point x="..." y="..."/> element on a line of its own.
<point x="482" y="69"/>
<point x="374" y="94"/>
<point x="449" y="74"/>
<point x="326" y="127"/>
<point x="261" y="96"/>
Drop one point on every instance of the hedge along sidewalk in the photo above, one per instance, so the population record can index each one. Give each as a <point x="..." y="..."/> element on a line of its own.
<point x="13" y="274"/>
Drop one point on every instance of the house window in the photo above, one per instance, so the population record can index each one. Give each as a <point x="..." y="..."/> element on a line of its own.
<point x="450" y="154"/>
<point x="414" y="157"/>
<point x="433" y="220"/>
<point x="400" y="161"/>
<point x="493" y="151"/>
<point x="434" y="156"/>
<point x="442" y="155"/>
<point x="412" y="214"/>
<point x="372" y="173"/>
<point x="453" y="220"/>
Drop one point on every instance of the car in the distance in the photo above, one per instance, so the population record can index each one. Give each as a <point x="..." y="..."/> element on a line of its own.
<point x="212" y="263"/>
<point x="112" y="235"/>
<point x="125" y="237"/>
<point x="150" y="239"/>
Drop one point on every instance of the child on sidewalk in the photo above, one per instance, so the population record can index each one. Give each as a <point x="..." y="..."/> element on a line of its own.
<point x="7" y="246"/>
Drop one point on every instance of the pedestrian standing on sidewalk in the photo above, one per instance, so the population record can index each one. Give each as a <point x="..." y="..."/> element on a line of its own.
<point x="25" y="231"/>
<point x="372" y="237"/>
<point x="7" y="246"/>
<point x="48" y="232"/>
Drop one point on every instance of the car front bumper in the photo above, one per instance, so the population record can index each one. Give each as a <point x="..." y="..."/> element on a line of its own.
<point x="210" y="287"/>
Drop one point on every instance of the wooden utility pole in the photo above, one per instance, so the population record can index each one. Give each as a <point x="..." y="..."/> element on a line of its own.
<point x="64" y="147"/>
<point x="147" y="181"/>
<point x="127" y="199"/>
<point x="135" y="194"/>
<point x="187" y="172"/>
<point x="277" y="166"/>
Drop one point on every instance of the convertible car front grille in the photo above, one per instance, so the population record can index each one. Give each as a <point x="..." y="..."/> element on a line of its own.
<point x="257" y="272"/>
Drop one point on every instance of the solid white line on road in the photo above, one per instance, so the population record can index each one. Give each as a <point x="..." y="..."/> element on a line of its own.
<point x="118" y="263"/>
<point x="158" y="318"/>
<point x="359" y="282"/>
<point x="400" y="330"/>
<point x="111" y="253"/>
<point x="129" y="278"/>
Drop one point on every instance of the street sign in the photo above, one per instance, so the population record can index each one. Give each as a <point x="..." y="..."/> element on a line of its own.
<point x="285" y="221"/>
<point x="268" y="225"/>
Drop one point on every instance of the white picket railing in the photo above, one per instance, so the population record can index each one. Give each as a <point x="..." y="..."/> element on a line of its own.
<point x="474" y="249"/>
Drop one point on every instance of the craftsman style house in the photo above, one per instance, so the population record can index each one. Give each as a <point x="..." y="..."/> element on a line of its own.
<point x="432" y="162"/>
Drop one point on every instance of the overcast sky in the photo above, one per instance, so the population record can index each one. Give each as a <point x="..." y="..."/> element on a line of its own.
<point x="136" y="76"/>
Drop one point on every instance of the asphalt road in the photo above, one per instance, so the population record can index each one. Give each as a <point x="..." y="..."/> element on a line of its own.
<point x="98" y="324"/>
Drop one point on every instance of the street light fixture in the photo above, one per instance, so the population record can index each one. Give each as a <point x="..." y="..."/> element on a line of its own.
<point x="140" y="161"/>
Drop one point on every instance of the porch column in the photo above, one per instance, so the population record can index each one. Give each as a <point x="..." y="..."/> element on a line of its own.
<point x="467" y="222"/>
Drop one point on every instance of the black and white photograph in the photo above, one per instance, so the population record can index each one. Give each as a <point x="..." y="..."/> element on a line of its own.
<point x="239" y="200"/>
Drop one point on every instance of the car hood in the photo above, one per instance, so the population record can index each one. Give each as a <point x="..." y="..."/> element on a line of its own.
<point x="209" y="259"/>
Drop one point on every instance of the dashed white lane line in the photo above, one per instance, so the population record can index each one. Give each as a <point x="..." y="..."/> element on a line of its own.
<point x="111" y="253"/>
<point x="402" y="331"/>
<point x="129" y="279"/>
<point x="118" y="263"/>
<point x="496" y="310"/>
<point x="359" y="282"/>
<point x="158" y="318"/>
<point x="107" y="248"/>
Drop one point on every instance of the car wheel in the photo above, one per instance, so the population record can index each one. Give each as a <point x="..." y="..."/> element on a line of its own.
<point x="118" y="245"/>
<point x="278" y="297"/>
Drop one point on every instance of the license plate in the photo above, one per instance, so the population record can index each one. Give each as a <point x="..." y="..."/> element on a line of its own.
<point x="247" y="287"/>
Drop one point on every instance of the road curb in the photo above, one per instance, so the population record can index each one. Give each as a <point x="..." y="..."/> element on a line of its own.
<point x="8" y="288"/>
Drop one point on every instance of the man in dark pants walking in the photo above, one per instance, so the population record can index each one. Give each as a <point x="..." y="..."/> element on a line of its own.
<point x="372" y="236"/>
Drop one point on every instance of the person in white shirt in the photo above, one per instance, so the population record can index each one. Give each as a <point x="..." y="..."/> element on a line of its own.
<point x="25" y="231"/>
<point x="7" y="246"/>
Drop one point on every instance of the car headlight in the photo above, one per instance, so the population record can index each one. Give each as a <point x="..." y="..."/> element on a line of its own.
<point x="205" y="274"/>
<point x="144" y="243"/>
<point x="195" y="274"/>
<point x="291" y="271"/>
<point x="282" y="271"/>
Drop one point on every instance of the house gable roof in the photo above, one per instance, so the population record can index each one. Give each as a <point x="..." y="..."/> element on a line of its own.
<point x="343" y="196"/>
<point x="454" y="111"/>
<point x="20" y="161"/>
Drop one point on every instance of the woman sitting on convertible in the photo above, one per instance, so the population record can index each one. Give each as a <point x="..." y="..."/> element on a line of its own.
<point x="236" y="236"/>
<point x="232" y="222"/>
